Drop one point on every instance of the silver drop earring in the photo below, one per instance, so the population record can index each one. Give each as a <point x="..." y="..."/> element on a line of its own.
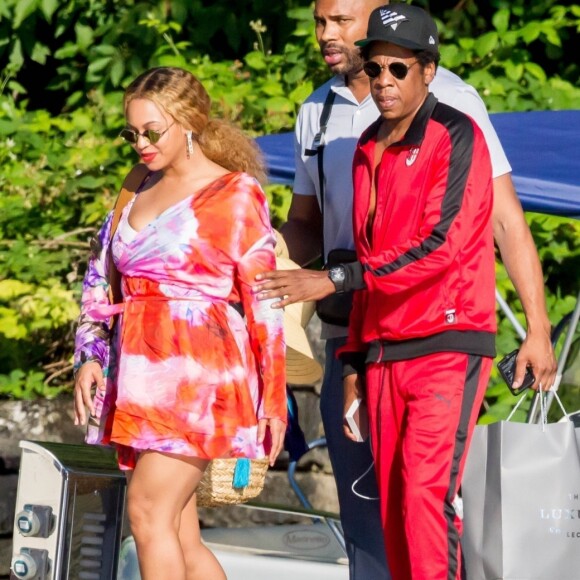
<point x="189" y="145"/>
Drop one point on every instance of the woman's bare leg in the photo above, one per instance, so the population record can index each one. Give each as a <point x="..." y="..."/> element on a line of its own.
<point x="200" y="561"/>
<point x="163" y="514"/>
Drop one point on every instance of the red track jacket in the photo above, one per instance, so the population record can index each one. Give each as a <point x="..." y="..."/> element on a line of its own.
<point x="428" y="271"/>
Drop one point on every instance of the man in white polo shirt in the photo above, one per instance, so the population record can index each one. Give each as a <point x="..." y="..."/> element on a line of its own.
<point x="339" y="23"/>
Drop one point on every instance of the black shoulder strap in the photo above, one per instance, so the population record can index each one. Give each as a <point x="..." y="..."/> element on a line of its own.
<point x="318" y="148"/>
<point x="131" y="184"/>
<point x="324" y="116"/>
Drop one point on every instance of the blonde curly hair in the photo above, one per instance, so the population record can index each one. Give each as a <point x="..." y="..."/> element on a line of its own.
<point x="181" y="95"/>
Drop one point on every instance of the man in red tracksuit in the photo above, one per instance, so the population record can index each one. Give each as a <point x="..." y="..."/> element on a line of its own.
<point x="422" y="329"/>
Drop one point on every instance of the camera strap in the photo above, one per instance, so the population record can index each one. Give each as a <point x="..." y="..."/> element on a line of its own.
<point x="318" y="149"/>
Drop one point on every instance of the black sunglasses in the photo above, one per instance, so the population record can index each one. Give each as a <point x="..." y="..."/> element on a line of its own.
<point x="151" y="135"/>
<point x="398" y="69"/>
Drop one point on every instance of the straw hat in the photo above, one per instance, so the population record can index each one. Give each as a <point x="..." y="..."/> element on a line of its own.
<point x="301" y="366"/>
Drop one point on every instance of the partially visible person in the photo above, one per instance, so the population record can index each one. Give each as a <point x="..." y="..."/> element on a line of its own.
<point x="186" y="379"/>
<point x="339" y="23"/>
<point x="422" y="330"/>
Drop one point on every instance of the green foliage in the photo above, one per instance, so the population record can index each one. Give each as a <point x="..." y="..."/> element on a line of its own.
<point x="517" y="59"/>
<point x="264" y="91"/>
<point x="75" y="46"/>
<point x="558" y="243"/>
<point x="31" y="385"/>
<point x="51" y="169"/>
<point x="62" y="163"/>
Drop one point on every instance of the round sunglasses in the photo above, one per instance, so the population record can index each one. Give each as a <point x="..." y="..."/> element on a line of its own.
<point x="150" y="134"/>
<point x="398" y="69"/>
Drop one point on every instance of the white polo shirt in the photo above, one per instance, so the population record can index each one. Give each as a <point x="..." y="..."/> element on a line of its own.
<point x="348" y="119"/>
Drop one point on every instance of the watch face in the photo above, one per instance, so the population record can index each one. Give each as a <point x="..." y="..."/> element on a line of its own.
<point x="337" y="274"/>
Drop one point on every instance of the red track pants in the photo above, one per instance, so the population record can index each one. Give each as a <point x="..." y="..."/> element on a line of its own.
<point x="422" y="413"/>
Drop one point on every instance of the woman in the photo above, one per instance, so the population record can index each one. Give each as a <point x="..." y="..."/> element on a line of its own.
<point x="193" y="380"/>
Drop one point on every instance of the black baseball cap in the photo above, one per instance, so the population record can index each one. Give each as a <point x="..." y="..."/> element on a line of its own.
<point x="403" y="25"/>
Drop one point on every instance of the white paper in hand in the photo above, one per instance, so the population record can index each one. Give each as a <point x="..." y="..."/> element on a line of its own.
<point x="358" y="420"/>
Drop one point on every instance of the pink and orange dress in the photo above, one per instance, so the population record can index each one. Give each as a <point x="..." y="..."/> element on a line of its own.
<point x="187" y="373"/>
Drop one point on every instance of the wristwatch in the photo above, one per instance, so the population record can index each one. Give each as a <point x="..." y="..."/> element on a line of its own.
<point x="337" y="276"/>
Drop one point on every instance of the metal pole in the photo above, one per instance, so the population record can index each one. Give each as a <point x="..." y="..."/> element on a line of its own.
<point x="510" y="315"/>
<point x="321" y="442"/>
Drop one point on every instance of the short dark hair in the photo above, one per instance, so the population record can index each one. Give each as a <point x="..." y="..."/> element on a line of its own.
<point x="425" y="57"/>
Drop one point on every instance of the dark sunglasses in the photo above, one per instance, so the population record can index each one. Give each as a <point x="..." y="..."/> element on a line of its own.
<point x="398" y="69"/>
<point x="151" y="135"/>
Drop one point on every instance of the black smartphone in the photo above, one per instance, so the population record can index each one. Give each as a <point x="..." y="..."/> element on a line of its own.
<point x="507" y="369"/>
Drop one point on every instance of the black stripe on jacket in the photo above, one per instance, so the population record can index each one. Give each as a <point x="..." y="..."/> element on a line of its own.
<point x="461" y="134"/>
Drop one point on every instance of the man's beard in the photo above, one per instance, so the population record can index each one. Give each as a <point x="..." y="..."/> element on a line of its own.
<point x="353" y="61"/>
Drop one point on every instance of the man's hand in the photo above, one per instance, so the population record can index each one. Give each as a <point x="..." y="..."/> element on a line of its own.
<point x="353" y="386"/>
<point x="293" y="286"/>
<point x="536" y="351"/>
<point x="90" y="374"/>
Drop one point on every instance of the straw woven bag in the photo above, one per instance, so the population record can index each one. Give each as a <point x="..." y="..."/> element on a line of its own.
<point x="231" y="481"/>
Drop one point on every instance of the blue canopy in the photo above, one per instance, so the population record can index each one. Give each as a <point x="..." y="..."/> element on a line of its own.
<point x="543" y="148"/>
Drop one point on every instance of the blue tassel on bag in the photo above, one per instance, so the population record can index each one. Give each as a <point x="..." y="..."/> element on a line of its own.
<point x="241" y="473"/>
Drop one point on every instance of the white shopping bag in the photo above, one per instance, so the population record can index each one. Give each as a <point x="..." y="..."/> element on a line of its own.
<point x="521" y="502"/>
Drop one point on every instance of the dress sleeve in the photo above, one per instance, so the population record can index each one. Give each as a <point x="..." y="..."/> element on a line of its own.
<point x="265" y="324"/>
<point x="92" y="340"/>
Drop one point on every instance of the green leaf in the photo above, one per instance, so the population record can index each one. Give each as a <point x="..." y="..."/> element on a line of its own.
<point x="117" y="72"/>
<point x="300" y="14"/>
<point x="89" y="182"/>
<point x="530" y="32"/>
<point x="301" y="92"/>
<point x="279" y="105"/>
<point x="255" y="60"/>
<point x="501" y="20"/>
<point x="10" y="325"/>
<point x="24" y="8"/>
<point x="48" y="8"/>
<point x="10" y="289"/>
<point x="451" y="57"/>
<point x="466" y="43"/>
<point x="99" y="64"/>
<point x="105" y="49"/>
<point x="39" y="53"/>
<point x="7" y="127"/>
<point x="84" y="35"/>
<point x="514" y="71"/>
<point x="510" y="39"/>
<point x="536" y="70"/>
<point x="486" y="44"/>
<point x="74" y="99"/>
<point x="272" y="88"/>
<point x="552" y="36"/>
<point x="16" y="56"/>
<point x="67" y="51"/>
<point x="480" y="78"/>
<point x="295" y="74"/>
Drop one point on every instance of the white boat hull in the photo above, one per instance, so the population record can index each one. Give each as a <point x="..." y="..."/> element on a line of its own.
<point x="286" y="552"/>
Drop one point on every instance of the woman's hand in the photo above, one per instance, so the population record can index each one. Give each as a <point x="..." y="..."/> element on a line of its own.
<point x="89" y="374"/>
<point x="277" y="432"/>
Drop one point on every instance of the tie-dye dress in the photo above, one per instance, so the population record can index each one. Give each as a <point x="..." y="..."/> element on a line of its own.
<point x="187" y="374"/>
